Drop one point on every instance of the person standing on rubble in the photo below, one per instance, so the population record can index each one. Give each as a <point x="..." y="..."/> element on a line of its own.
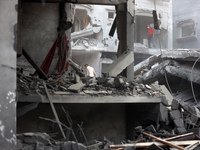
<point x="90" y="71"/>
<point x="150" y="33"/>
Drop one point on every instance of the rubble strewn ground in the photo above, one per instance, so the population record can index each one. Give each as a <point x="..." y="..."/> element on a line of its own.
<point x="114" y="86"/>
<point x="179" y="120"/>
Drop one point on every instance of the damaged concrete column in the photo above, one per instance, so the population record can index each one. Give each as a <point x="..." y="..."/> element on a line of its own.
<point x="125" y="29"/>
<point x="8" y="29"/>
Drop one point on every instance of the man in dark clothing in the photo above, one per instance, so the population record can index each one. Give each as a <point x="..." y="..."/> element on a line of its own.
<point x="150" y="32"/>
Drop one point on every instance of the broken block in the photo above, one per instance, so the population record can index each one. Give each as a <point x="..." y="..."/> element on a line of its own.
<point x="155" y="86"/>
<point x="120" y="82"/>
<point x="167" y="94"/>
<point x="120" y="64"/>
<point x="110" y="83"/>
<point x="101" y="80"/>
<point x="181" y="130"/>
<point x="175" y="114"/>
<point x="77" y="79"/>
<point x="175" y="104"/>
<point x="179" y="123"/>
<point x="163" y="113"/>
<point x="76" y="87"/>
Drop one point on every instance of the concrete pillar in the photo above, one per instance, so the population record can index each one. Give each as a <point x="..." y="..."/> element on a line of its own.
<point x="8" y="29"/>
<point x="125" y="28"/>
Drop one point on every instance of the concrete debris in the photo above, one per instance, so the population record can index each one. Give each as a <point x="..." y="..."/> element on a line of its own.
<point x="119" y="64"/>
<point x="76" y="87"/>
<point x="164" y="114"/>
<point x="178" y="122"/>
<point x="175" y="114"/>
<point x="168" y="97"/>
<point x="44" y="141"/>
<point x="154" y="68"/>
<point x="66" y="85"/>
<point x="77" y="68"/>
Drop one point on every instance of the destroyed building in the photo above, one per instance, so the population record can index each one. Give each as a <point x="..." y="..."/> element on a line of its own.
<point x="54" y="105"/>
<point x="91" y="41"/>
<point x="185" y="25"/>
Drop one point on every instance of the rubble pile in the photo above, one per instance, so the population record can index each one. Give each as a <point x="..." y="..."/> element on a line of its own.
<point x="179" y="63"/>
<point x="73" y="84"/>
<point x="181" y="130"/>
<point x="43" y="141"/>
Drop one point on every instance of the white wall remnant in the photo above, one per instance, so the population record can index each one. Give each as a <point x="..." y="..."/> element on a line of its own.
<point x="90" y="34"/>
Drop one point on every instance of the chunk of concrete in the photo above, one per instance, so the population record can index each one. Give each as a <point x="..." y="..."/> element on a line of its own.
<point x="163" y="113"/>
<point x="77" y="79"/>
<point x="181" y="130"/>
<point x="120" y="82"/>
<point x="36" y="137"/>
<point x="76" y="87"/>
<point x="175" y="114"/>
<point x="179" y="123"/>
<point x="119" y="64"/>
<point x="155" y="86"/>
<point x="169" y="97"/>
<point x="110" y="82"/>
<point x="175" y="104"/>
<point x="101" y="80"/>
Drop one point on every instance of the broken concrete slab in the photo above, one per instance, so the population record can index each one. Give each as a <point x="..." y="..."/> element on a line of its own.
<point x="175" y="104"/>
<point x="181" y="130"/>
<point x="77" y="68"/>
<point x="120" y="82"/>
<point x="76" y="87"/>
<point x="110" y="82"/>
<point x="34" y="137"/>
<point x="146" y="64"/>
<point x="119" y="64"/>
<point x="175" y="114"/>
<point x="179" y="123"/>
<point x="101" y="80"/>
<point x="164" y="114"/>
<point x="77" y="79"/>
<point x="184" y="72"/>
<point x="157" y="71"/>
<point x="169" y="97"/>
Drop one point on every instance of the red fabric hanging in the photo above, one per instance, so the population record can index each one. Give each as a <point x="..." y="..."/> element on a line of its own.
<point x="62" y="64"/>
